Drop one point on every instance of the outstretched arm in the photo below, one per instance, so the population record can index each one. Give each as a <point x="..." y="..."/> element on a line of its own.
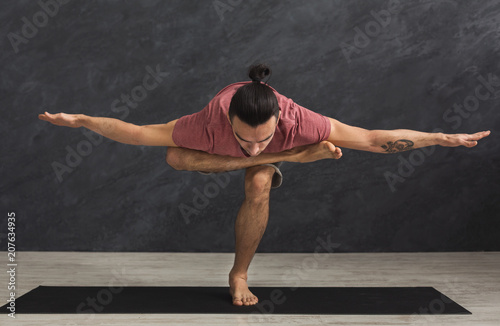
<point x="393" y="141"/>
<point x="117" y="130"/>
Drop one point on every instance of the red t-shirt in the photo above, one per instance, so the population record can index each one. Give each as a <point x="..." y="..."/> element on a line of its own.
<point x="209" y="130"/>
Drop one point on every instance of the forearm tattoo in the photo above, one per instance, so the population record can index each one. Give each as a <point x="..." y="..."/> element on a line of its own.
<point x="398" y="146"/>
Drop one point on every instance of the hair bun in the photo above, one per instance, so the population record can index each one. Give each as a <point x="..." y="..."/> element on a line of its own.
<point x="258" y="72"/>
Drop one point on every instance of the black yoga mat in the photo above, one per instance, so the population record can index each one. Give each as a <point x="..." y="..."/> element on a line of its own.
<point x="216" y="300"/>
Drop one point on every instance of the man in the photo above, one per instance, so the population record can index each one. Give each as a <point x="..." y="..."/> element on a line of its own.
<point x="250" y="126"/>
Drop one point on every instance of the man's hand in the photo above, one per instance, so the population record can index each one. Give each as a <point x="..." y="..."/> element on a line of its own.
<point x="467" y="140"/>
<point x="62" y="119"/>
<point x="315" y="152"/>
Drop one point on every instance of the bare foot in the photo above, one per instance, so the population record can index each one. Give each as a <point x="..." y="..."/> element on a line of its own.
<point x="319" y="151"/>
<point x="238" y="289"/>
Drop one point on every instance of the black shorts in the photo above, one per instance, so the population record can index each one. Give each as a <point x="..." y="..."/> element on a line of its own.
<point x="277" y="176"/>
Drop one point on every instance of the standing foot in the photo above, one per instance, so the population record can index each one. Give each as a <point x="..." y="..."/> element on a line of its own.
<point x="238" y="288"/>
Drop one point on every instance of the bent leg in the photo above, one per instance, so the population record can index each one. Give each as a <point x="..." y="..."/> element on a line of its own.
<point x="192" y="160"/>
<point x="250" y="226"/>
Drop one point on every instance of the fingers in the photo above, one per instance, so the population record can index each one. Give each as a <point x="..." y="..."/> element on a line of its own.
<point x="467" y="140"/>
<point x="44" y="115"/>
<point x="470" y="140"/>
<point x="52" y="118"/>
<point x="47" y="116"/>
<point x="480" y="135"/>
<point x="470" y="143"/>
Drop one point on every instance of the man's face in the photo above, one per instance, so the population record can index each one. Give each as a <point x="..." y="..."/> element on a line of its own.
<point x="254" y="139"/>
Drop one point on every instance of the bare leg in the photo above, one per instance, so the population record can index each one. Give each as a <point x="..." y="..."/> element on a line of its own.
<point x="192" y="160"/>
<point x="250" y="225"/>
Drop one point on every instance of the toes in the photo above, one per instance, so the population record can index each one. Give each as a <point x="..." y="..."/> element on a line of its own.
<point x="237" y="302"/>
<point x="250" y="301"/>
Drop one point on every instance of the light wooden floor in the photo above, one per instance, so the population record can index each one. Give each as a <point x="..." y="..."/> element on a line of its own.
<point x="470" y="279"/>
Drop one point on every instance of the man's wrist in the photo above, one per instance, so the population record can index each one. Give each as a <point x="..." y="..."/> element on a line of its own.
<point x="81" y="120"/>
<point x="439" y="138"/>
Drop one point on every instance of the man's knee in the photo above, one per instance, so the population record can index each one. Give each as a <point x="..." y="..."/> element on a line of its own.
<point x="174" y="157"/>
<point x="258" y="181"/>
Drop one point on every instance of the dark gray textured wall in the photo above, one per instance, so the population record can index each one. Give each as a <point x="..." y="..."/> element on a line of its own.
<point x="374" y="64"/>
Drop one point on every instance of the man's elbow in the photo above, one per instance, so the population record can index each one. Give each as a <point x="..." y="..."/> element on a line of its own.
<point x="137" y="135"/>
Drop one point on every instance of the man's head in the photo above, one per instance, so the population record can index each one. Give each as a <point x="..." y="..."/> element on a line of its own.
<point x="254" y="112"/>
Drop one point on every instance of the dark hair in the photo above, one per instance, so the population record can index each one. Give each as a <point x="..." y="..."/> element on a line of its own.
<point x="255" y="103"/>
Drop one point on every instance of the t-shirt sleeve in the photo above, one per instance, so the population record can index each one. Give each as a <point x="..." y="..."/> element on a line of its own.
<point x="312" y="127"/>
<point x="191" y="131"/>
